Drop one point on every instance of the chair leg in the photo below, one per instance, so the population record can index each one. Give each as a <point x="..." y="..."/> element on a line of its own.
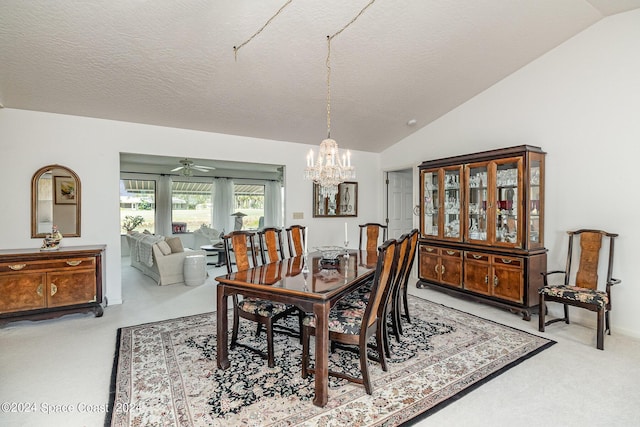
<point x="236" y="323"/>
<point x="566" y="314"/>
<point x="542" y="308"/>
<point x="258" y="329"/>
<point x="385" y="337"/>
<point x="600" y="326"/>
<point x="365" y="369"/>
<point x="396" y="316"/>
<point x="380" y="347"/>
<point x="305" y="351"/>
<point x="270" y="359"/>
<point x="607" y="324"/>
<point x="301" y="315"/>
<point x="405" y="303"/>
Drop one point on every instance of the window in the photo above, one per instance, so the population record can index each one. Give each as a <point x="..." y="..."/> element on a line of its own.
<point x="137" y="205"/>
<point x="190" y="206"/>
<point x="249" y="199"/>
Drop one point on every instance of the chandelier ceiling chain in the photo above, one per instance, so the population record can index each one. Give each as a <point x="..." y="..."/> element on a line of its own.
<point x="237" y="48"/>
<point x="330" y="169"/>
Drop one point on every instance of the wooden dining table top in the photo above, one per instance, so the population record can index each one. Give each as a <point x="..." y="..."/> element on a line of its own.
<point x="322" y="280"/>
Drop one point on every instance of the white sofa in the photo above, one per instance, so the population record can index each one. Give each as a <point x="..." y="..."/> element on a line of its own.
<point x="164" y="269"/>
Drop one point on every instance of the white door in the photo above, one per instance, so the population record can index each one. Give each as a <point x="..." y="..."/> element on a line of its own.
<point x="399" y="202"/>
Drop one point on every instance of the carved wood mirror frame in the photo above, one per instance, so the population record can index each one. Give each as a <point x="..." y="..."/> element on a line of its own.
<point x="55" y="200"/>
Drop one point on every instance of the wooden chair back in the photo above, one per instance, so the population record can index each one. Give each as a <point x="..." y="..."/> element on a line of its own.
<point x="384" y="275"/>
<point x="295" y="239"/>
<point x="270" y="239"/>
<point x="588" y="259"/>
<point x="372" y="232"/>
<point x="242" y="245"/>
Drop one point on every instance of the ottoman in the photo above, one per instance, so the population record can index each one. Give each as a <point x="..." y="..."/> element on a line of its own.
<point x="195" y="271"/>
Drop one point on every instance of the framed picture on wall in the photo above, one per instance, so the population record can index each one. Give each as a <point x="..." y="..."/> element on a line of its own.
<point x="344" y="204"/>
<point x="65" y="190"/>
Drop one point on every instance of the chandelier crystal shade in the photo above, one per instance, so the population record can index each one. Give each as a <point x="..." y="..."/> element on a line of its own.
<point x="329" y="169"/>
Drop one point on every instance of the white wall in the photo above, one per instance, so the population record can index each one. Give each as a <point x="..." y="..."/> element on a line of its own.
<point x="91" y="147"/>
<point x="581" y="104"/>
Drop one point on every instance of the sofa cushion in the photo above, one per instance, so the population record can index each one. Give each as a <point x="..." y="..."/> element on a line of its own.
<point x="175" y="244"/>
<point x="164" y="247"/>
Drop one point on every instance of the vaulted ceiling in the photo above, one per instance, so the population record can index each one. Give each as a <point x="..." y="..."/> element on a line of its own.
<point x="172" y="63"/>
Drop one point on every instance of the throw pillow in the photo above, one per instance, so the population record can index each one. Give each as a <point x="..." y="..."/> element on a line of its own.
<point x="164" y="247"/>
<point x="175" y="244"/>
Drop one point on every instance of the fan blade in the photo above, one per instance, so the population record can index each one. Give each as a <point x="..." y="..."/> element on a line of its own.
<point x="202" y="168"/>
<point x="177" y="169"/>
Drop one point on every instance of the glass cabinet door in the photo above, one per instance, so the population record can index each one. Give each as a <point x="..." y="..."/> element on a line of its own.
<point x="452" y="224"/>
<point x="506" y="227"/>
<point x="430" y="199"/>
<point x="536" y="201"/>
<point x="477" y="198"/>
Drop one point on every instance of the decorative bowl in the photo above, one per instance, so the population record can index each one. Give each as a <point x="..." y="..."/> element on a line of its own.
<point x="330" y="253"/>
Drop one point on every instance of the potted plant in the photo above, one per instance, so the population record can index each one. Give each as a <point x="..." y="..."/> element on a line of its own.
<point x="129" y="223"/>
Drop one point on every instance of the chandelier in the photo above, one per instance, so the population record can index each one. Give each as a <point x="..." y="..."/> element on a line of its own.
<point x="330" y="168"/>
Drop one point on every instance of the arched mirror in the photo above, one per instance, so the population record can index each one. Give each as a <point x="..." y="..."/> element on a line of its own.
<point x="55" y="200"/>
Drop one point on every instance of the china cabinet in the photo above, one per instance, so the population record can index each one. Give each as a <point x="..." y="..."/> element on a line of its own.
<point x="38" y="284"/>
<point x="482" y="226"/>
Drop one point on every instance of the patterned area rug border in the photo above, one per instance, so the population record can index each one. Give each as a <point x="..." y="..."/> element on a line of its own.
<point x="449" y="337"/>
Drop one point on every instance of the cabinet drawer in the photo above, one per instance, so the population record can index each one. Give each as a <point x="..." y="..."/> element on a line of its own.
<point x="508" y="261"/>
<point x="476" y="256"/>
<point x="453" y="253"/>
<point x="56" y="264"/>
<point x="428" y="250"/>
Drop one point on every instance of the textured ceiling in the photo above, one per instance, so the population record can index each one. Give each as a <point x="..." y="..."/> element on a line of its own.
<point x="171" y="62"/>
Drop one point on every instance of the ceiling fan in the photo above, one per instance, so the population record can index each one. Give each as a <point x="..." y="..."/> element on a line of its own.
<point x="187" y="167"/>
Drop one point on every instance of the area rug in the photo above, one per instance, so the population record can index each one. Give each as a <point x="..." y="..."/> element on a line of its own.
<point x="165" y="373"/>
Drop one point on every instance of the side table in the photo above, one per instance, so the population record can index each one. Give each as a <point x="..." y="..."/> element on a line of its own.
<point x="216" y="250"/>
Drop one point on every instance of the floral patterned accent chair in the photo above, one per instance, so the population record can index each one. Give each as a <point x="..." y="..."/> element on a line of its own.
<point x="270" y="239"/>
<point x="584" y="292"/>
<point x="295" y="239"/>
<point x="354" y="326"/>
<point x="370" y="234"/>
<point x="263" y="312"/>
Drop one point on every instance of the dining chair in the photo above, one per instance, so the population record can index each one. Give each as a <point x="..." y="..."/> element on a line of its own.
<point x="370" y="234"/>
<point x="359" y="298"/>
<point x="270" y="240"/>
<point x="355" y="326"/>
<point x="406" y="274"/>
<point x="295" y="239"/>
<point x="263" y="312"/>
<point x="580" y="289"/>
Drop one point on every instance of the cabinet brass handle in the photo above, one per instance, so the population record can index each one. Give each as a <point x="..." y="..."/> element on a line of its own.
<point x="428" y="249"/>
<point x="495" y="280"/>
<point x="74" y="263"/>
<point x="54" y="289"/>
<point x="436" y="268"/>
<point x="441" y="269"/>
<point x="506" y="261"/>
<point x="451" y="252"/>
<point x="16" y="267"/>
<point x="39" y="290"/>
<point x="486" y="280"/>
<point x="476" y="256"/>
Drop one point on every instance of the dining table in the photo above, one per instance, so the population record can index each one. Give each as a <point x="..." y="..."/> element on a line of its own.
<point x="309" y="282"/>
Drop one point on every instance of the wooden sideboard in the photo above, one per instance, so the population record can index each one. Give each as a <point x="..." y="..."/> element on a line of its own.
<point x="37" y="285"/>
